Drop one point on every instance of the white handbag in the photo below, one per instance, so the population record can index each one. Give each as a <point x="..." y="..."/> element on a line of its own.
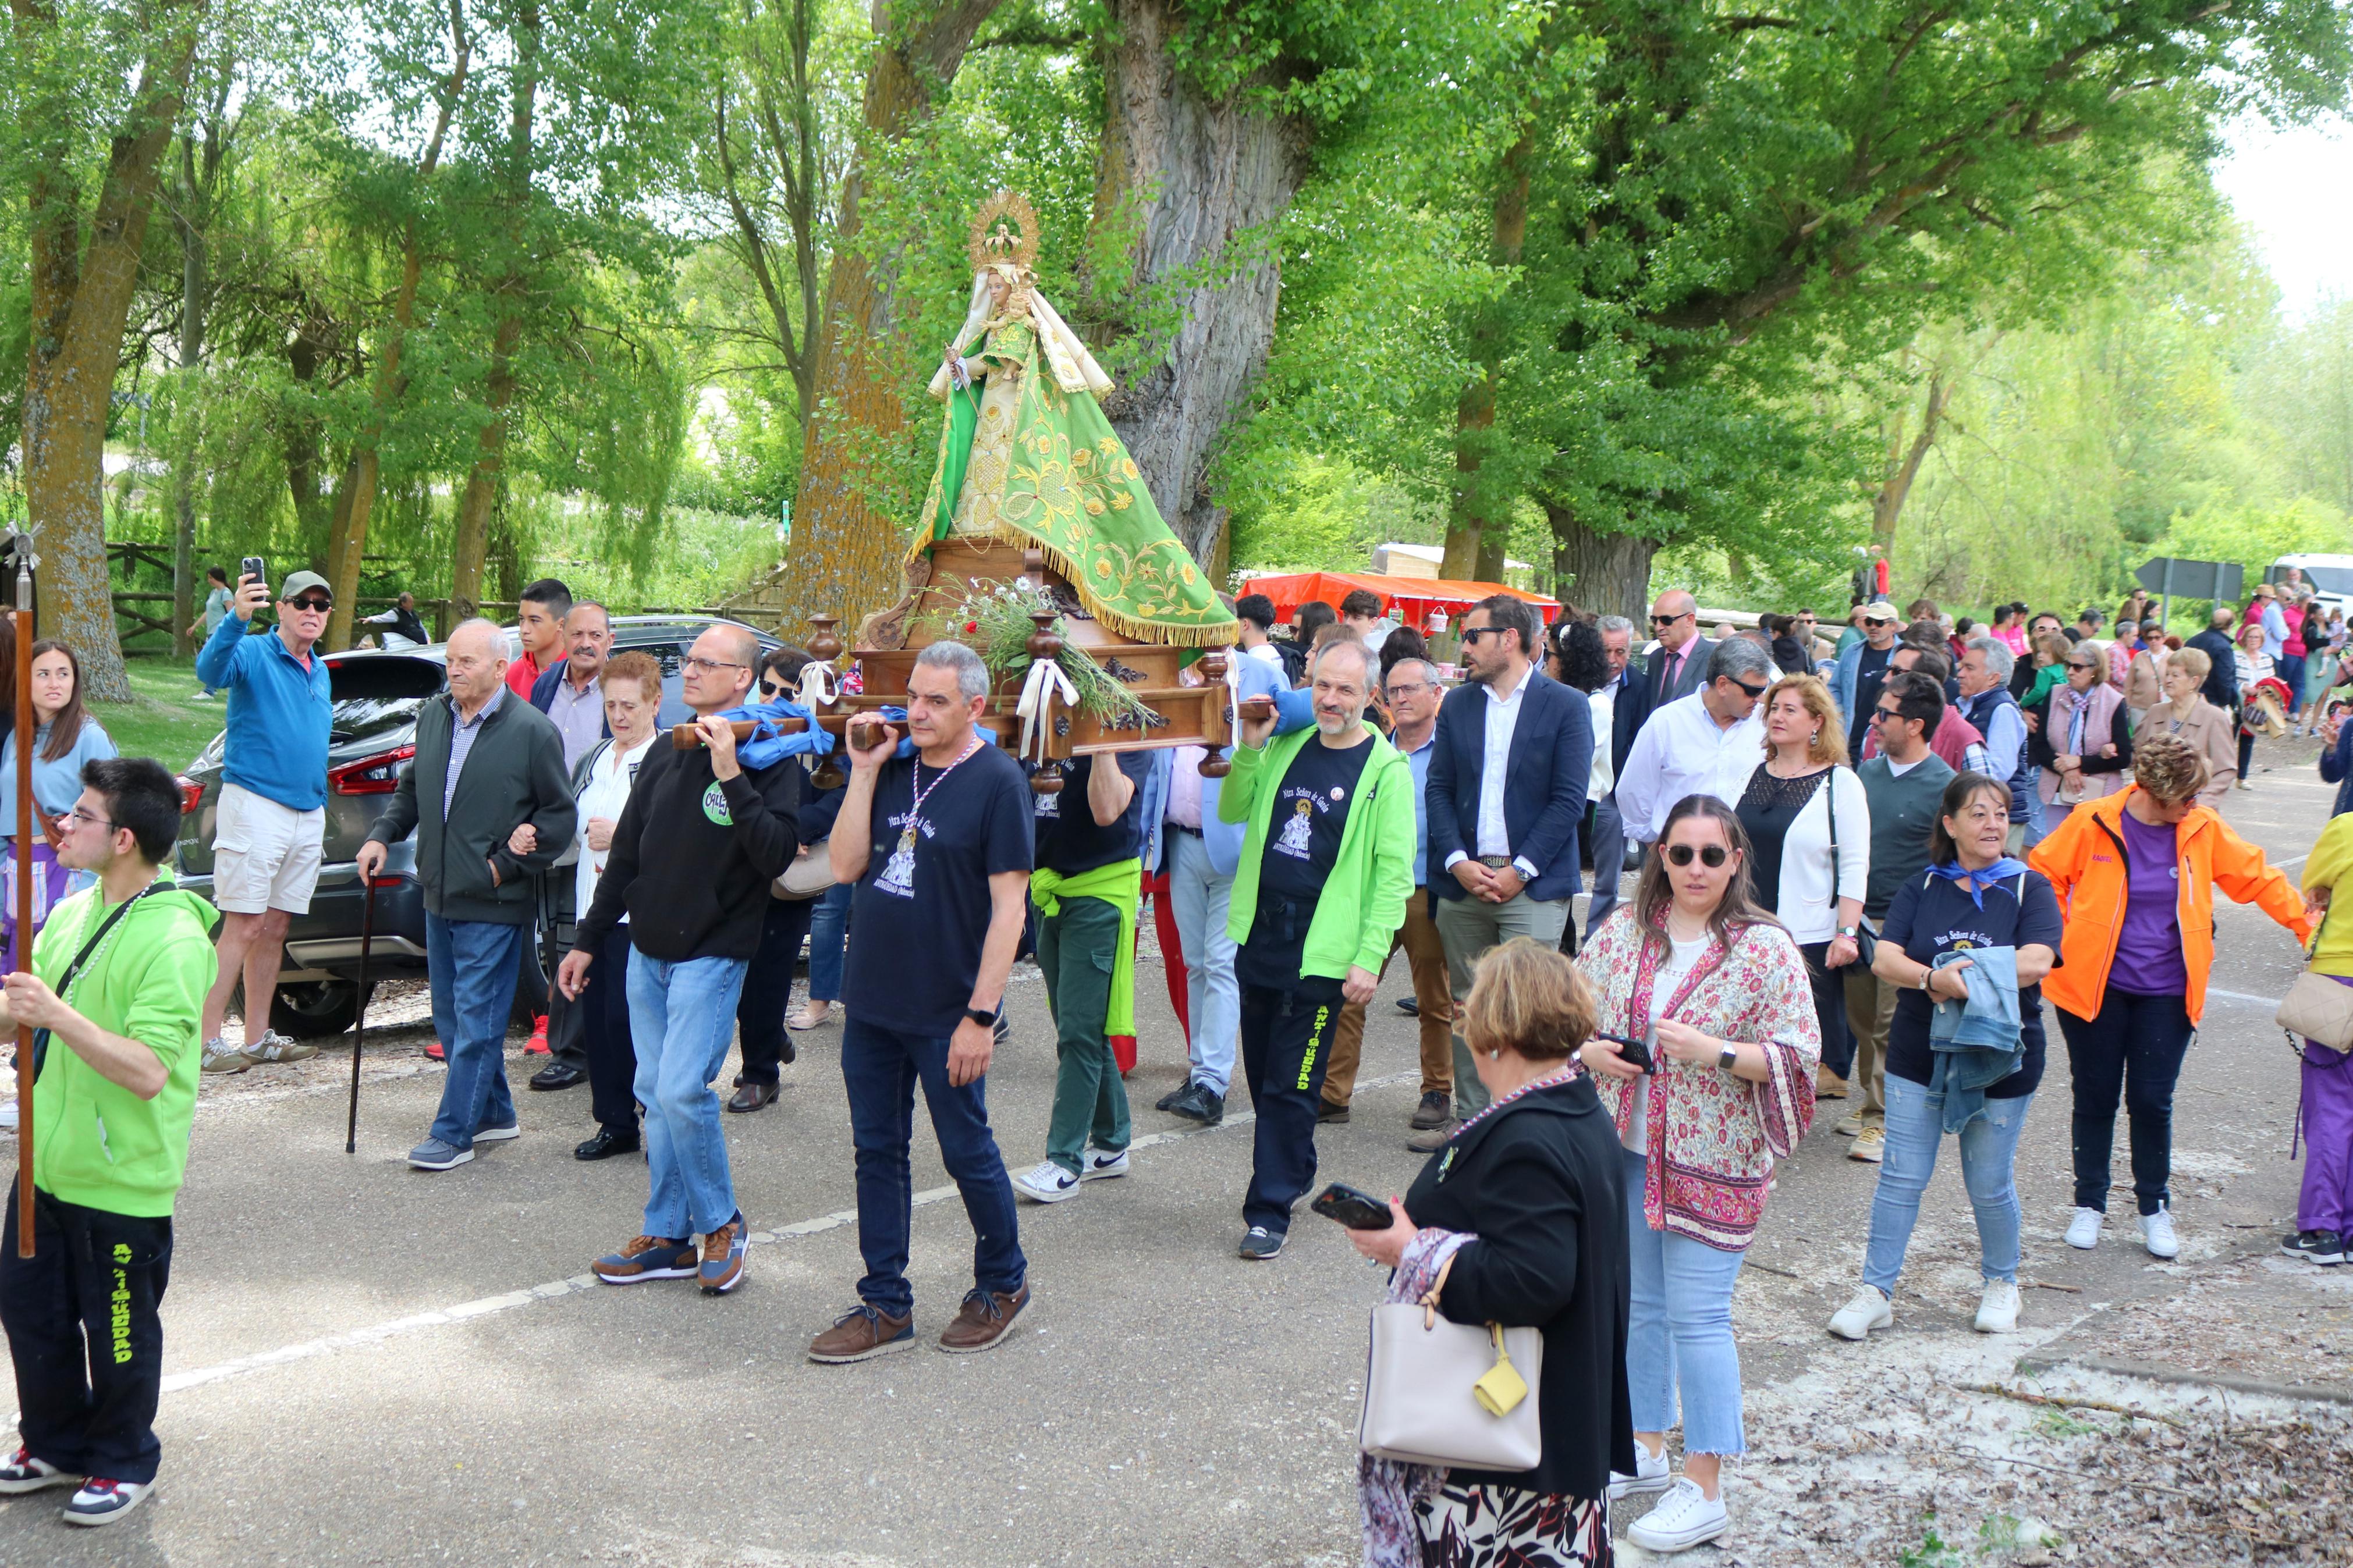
<point x="1453" y="1394"/>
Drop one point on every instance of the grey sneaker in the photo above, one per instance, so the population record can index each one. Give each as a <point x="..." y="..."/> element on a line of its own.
<point x="220" y="1056"/>
<point x="274" y="1047"/>
<point x="435" y="1156"/>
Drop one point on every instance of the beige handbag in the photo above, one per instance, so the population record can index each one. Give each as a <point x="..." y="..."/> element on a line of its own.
<point x="1450" y="1394"/>
<point x="2317" y="1007"/>
<point x="805" y="876"/>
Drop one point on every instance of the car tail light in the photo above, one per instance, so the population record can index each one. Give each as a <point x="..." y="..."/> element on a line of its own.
<point x="191" y="795"/>
<point x="379" y="775"/>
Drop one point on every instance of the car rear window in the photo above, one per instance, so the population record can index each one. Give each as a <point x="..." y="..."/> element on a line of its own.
<point x="375" y="697"/>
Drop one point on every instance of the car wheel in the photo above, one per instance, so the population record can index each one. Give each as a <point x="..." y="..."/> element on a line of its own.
<point x="312" y="1010"/>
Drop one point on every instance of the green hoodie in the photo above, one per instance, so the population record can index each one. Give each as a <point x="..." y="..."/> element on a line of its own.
<point x="95" y="1143"/>
<point x="1363" y="901"/>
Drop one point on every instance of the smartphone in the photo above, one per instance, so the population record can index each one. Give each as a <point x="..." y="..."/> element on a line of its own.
<point x="253" y="566"/>
<point x="1634" y="1051"/>
<point x="1355" y="1209"/>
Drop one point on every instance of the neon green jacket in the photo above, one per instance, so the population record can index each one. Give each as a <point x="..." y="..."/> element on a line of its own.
<point x="95" y="1143"/>
<point x="1363" y="902"/>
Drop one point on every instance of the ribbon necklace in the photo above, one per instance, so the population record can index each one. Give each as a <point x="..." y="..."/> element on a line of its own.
<point x="923" y="792"/>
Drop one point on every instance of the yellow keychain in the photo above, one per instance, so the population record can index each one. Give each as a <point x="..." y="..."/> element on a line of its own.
<point x="1499" y="1392"/>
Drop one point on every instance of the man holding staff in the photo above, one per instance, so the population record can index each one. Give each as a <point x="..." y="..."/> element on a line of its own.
<point x="116" y="989"/>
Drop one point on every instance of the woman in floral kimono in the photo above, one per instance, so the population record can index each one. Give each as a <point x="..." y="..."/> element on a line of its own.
<point x="1026" y="456"/>
<point x="1717" y="991"/>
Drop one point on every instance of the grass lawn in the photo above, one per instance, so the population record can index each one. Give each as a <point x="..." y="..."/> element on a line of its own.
<point x="161" y="721"/>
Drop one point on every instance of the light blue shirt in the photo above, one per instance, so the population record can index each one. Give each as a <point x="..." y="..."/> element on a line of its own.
<point x="2274" y="629"/>
<point x="56" y="785"/>
<point x="463" y="734"/>
<point x="1418" y="760"/>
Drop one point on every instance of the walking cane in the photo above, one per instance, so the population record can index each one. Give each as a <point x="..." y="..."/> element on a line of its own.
<point x="21" y="547"/>
<point x="359" y="1021"/>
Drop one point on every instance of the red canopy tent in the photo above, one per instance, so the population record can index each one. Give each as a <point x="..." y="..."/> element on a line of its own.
<point x="1409" y="598"/>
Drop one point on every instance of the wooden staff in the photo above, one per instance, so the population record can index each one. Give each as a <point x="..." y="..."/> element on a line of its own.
<point x="23" y="957"/>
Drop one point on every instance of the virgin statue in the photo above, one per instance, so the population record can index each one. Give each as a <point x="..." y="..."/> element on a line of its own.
<point x="1026" y="456"/>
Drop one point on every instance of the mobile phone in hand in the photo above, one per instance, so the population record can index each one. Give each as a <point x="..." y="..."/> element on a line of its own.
<point x="1356" y="1209"/>
<point x="253" y="566"/>
<point x="1635" y="1051"/>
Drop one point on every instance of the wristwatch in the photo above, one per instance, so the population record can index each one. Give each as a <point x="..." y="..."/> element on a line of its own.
<point x="1849" y="932"/>
<point x="1726" y="1058"/>
<point x="981" y="1015"/>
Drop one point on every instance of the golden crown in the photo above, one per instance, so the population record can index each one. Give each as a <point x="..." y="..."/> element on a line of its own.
<point x="1005" y="229"/>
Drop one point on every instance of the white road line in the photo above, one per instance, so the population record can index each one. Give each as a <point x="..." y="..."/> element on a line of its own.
<point x="377" y="1333"/>
<point x="2243" y="996"/>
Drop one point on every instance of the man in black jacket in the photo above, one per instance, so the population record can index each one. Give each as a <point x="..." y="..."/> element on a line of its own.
<point x="494" y="809"/>
<point x="693" y="859"/>
<point x="2221" y="687"/>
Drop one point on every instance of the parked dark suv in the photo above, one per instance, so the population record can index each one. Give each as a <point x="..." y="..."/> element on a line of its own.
<point x="376" y="696"/>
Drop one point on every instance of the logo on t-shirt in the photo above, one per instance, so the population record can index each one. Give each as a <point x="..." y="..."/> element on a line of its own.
<point x="1051" y="805"/>
<point x="1296" y="831"/>
<point x="714" y="806"/>
<point x="898" y="877"/>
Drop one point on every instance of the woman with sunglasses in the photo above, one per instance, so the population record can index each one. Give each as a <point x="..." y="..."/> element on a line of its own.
<point x="2085" y="743"/>
<point x="1718" y="994"/>
<point x="1971" y="898"/>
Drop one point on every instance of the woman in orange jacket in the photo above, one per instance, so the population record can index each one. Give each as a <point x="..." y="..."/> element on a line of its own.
<point x="2136" y="874"/>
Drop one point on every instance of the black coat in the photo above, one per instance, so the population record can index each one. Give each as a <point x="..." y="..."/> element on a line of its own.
<point x="1540" y="1180"/>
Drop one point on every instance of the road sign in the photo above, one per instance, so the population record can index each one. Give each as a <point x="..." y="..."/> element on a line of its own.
<point x="2171" y="576"/>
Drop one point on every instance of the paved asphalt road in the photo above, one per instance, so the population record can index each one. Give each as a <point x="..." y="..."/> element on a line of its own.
<point x="369" y="1364"/>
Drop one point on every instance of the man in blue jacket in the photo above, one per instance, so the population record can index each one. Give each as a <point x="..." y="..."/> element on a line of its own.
<point x="271" y="823"/>
<point x="1506" y="797"/>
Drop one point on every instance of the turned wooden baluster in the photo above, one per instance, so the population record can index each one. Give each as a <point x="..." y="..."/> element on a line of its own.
<point x="824" y="647"/>
<point x="1044" y="644"/>
<point x="1213" y="672"/>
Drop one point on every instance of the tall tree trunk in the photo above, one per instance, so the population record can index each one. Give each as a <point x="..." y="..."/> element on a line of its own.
<point x="1904" y="460"/>
<point x="81" y="299"/>
<point x="1609" y="573"/>
<point x="506" y="308"/>
<point x="1180" y="184"/>
<point x="351" y="542"/>
<point x="1479" y="521"/>
<point x="845" y="555"/>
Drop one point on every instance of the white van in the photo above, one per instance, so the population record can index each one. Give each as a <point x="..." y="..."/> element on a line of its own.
<point x="2330" y="578"/>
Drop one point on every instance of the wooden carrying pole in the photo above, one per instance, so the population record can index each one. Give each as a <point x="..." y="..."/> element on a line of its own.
<point x="23" y="957"/>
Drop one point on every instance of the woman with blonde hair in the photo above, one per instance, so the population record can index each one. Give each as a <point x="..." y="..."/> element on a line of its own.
<point x="1809" y="828"/>
<point x="1717" y="995"/>
<point x="2136" y="875"/>
<point x="2189" y="718"/>
<point x="1519" y="1219"/>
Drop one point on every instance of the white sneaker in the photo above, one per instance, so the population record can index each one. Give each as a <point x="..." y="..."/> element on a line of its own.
<point x="2083" y="1230"/>
<point x="1046" y="1182"/>
<point x="1094" y="1165"/>
<point x="2157" y="1235"/>
<point x="1868" y="1310"/>
<point x="1686" y="1517"/>
<point x="1998" y="1309"/>
<point x="1652" y="1473"/>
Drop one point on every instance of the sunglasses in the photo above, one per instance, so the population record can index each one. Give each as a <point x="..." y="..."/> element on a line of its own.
<point x="1754" y="692"/>
<point x="1472" y="634"/>
<point x="771" y="690"/>
<point x="1711" y="856"/>
<point x="2081" y="664"/>
<point x="1875" y="621"/>
<point x="312" y="603"/>
<point x="1670" y="620"/>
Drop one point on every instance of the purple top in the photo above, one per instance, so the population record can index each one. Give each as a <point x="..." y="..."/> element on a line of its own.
<point x="2148" y="961"/>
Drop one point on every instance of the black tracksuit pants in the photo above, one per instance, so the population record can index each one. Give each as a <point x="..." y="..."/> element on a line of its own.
<point x="1286" y="1037"/>
<point x="84" y="1335"/>
<point x="768" y="988"/>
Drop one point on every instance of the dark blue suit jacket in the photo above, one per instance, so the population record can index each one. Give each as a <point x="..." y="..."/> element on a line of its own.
<point x="1544" y="795"/>
<point x="1626" y="712"/>
<point x="542" y="693"/>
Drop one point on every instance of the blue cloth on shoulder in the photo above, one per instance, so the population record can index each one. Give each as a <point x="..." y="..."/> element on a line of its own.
<point x="1979" y="1042"/>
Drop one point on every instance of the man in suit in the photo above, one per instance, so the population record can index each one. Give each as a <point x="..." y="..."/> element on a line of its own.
<point x="1678" y="664"/>
<point x="1628" y="699"/>
<point x="1505" y="799"/>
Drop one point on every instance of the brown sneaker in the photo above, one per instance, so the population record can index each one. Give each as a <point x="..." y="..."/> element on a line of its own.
<point x="723" y="1258"/>
<point x="1434" y="1139"/>
<point x="862" y="1333"/>
<point x="648" y="1257"/>
<point x="1828" y="1085"/>
<point x="983" y="1319"/>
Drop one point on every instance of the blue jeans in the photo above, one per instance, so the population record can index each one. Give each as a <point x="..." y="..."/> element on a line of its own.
<point x="681" y="1020"/>
<point x="1213" y="998"/>
<point x="472" y="966"/>
<point x="828" y="938"/>
<point x="1680" y="1335"/>
<point x="881" y="1069"/>
<point x="1915" y="1129"/>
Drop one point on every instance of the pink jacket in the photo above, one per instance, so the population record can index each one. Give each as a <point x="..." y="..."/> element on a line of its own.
<point x="1712" y="1137"/>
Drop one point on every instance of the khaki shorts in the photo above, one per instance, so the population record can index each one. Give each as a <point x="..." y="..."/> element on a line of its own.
<point x="264" y="855"/>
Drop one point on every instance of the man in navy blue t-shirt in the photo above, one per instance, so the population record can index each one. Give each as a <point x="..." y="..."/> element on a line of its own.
<point x="937" y="846"/>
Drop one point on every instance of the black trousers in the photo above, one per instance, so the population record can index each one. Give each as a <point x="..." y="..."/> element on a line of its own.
<point x="2134" y="1047"/>
<point x="1286" y="1037"/>
<point x="83" y="1333"/>
<point x="768" y="988"/>
<point x="604" y="1009"/>
<point x="1830" y="1006"/>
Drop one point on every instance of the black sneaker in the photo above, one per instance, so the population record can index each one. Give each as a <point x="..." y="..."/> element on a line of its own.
<point x="1260" y="1244"/>
<point x="1168" y="1102"/>
<point x="1328" y="1114"/>
<point x="2325" y="1247"/>
<point x="1200" y="1103"/>
<point x="1409" y="1006"/>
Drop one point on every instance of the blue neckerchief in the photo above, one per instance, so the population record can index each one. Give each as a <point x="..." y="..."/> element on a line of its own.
<point x="2002" y="870"/>
<point x="765" y="748"/>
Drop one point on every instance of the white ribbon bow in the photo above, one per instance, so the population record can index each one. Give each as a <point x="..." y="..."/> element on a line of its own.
<point x="1044" y="683"/>
<point x="816" y="690"/>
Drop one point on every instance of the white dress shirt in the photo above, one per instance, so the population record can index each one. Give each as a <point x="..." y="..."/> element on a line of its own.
<point x="1605" y="707"/>
<point x="1502" y="714"/>
<point x="1683" y="750"/>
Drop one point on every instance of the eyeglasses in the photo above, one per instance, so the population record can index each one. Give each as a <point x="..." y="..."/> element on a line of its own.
<point x="1711" y="855"/>
<point x="315" y="603"/>
<point x="1411" y="688"/>
<point x="1670" y="620"/>
<point x="79" y="815"/>
<point x="710" y="665"/>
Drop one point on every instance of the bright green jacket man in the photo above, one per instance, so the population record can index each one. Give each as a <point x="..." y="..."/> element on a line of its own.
<point x="1363" y="902"/>
<point x="96" y="1143"/>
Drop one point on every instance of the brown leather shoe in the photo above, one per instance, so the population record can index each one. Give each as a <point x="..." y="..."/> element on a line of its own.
<point x="1431" y="1140"/>
<point x="750" y="1094"/>
<point x="1828" y="1085"/>
<point x="983" y="1319"/>
<point x="862" y="1333"/>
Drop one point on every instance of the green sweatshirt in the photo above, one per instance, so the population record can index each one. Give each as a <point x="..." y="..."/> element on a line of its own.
<point x="95" y="1143"/>
<point x="1363" y="902"/>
